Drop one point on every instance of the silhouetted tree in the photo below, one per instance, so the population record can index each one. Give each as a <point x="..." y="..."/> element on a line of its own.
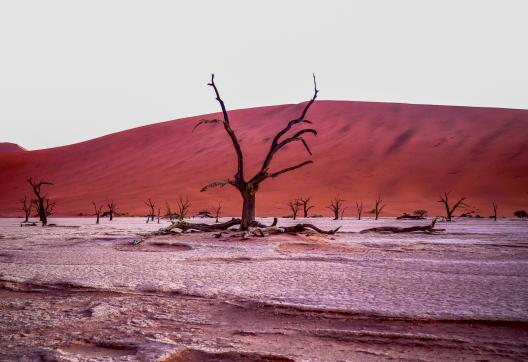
<point x="343" y="212"/>
<point x="111" y="209"/>
<point x="151" y="205"/>
<point x="294" y="206"/>
<point x="495" y="208"/>
<point x="359" y="209"/>
<point x="378" y="207"/>
<point x="169" y="213"/>
<point x="444" y="199"/>
<point x="249" y="188"/>
<point x="27" y="205"/>
<point x="183" y="207"/>
<point x="159" y="211"/>
<point x="420" y="213"/>
<point x="43" y="205"/>
<point x="336" y="205"/>
<point x="216" y="210"/>
<point x="521" y="214"/>
<point x="98" y="210"/>
<point x="306" y="207"/>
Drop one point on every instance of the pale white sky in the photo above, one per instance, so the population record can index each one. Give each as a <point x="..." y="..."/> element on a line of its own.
<point x="74" y="70"/>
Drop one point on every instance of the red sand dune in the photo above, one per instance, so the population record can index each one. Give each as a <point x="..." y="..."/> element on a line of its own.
<point x="7" y="147"/>
<point x="409" y="153"/>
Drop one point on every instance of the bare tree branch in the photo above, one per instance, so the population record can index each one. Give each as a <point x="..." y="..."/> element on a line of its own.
<point x="288" y="169"/>
<point x="220" y="183"/>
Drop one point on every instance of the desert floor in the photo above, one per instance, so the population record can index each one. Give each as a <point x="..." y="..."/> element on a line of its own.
<point x="81" y="291"/>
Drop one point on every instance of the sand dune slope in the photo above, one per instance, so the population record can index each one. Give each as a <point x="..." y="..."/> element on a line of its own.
<point x="409" y="153"/>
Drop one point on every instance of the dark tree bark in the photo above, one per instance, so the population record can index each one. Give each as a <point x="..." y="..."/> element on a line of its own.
<point x="306" y="205"/>
<point x="111" y="210"/>
<point x="378" y="208"/>
<point x="495" y="208"/>
<point x="249" y="188"/>
<point x="359" y="209"/>
<point x="42" y="203"/>
<point x="393" y="229"/>
<point x="97" y="210"/>
<point x="159" y="211"/>
<point x="342" y="213"/>
<point x="294" y="206"/>
<point x="27" y="206"/>
<point x="336" y="205"/>
<point x="444" y="199"/>
<point x="151" y="206"/>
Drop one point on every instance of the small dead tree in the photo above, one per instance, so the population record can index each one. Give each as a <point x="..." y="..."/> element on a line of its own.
<point x="151" y="206"/>
<point x="159" y="212"/>
<point x="249" y="188"/>
<point x="111" y="209"/>
<point x="444" y="199"/>
<point x="43" y="205"/>
<point x="306" y="207"/>
<point x="294" y="206"/>
<point x="27" y="206"/>
<point x="359" y="209"/>
<point x="97" y="210"/>
<point x="495" y="208"/>
<point x="183" y="207"/>
<point x="343" y="212"/>
<point x="216" y="210"/>
<point x="378" y="207"/>
<point x="169" y="212"/>
<point x="336" y="205"/>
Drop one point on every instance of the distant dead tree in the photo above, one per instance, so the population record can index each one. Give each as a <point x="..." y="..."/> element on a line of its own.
<point x="306" y="207"/>
<point x="216" y="210"/>
<point x="98" y="210"/>
<point x="159" y="212"/>
<point x="151" y="205"/>
<point x="343" y="212"/>
<point x="359" y="209"/>
<point x="444" y="199"/>
<point x="43" y="205"/>
<point x="27" y="205"/>
<point x="249" y="188"/>
<point x="521" y="214"/>
<point x="183" y="207"/>
<point x="378" y="207"/>
<point x="495" y="208"/>
<point x="336" y="205"/>
<point x="169" y="212"/>
<point x="294" y="206"/>
<point x="111" y="209"/>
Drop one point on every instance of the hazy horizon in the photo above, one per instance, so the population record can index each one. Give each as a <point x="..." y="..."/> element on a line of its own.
<point x="72" y="72"/>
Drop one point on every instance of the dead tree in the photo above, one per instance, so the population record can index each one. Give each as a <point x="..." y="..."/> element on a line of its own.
<point x="42" y="203"/>
<point x="378" y="207"/>
<point x="429" y="229"/>
<point x="249" y="188"/>
<point x="306" y="207"/>
<point x="359" y="209"/>
<point x="342" y="212"/>
<point x="294" y="206"/>
<point x="444" y="199"/>
<point x="151" y="205"/>
<point x="111" y="209"/>
<point x="169" y="213"/>
<point x="336" y="205"/>
<point x="216" y="210"/>
<point x="183" y="207"/>
<point x="98" y="211"/>
<point x="495" y="208"/>
<point x="159" y="211"/>
<point x="27" y="206"/>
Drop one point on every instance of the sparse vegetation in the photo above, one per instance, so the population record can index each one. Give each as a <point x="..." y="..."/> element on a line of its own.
<point x="97" y="210"/>
<point x="27" y="206"/>
<point x="336" y="205"/>
<point x="521" y="214"/>
<point x="111" y="210"/>
<point x="294" y="206"/>
<point x="359" y="209"/>
<point x="151" y="206"/>
<point x="378" y="207"/>
<point x="306" y="207"/>
<point x="183" y="207"/>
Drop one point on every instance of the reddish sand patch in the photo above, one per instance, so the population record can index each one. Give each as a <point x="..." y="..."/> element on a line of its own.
<point x="409" y="153"/>
<point x="7" y="147"/>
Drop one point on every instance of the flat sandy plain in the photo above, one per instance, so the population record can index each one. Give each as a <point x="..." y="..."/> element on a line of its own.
<point x="81" y="291"/>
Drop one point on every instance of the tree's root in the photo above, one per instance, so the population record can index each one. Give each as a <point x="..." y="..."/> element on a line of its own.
<point x="429" y="229"/>
<point x="256" y="229"/>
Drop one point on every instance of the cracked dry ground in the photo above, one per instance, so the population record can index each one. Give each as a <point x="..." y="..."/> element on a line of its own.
<point x="79" y="294"/>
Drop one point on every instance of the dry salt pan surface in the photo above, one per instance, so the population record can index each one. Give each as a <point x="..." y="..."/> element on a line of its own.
<point x="80" y="292"/>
